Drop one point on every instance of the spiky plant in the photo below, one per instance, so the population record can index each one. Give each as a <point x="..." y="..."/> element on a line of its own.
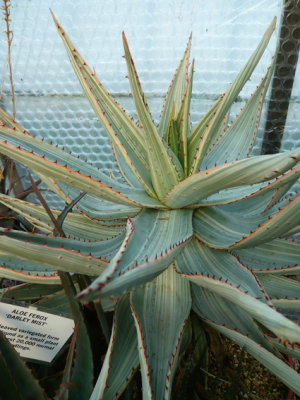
<point x="196" y="224"/>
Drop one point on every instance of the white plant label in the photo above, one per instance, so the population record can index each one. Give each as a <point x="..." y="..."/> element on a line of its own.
<point x="35" y="335"/>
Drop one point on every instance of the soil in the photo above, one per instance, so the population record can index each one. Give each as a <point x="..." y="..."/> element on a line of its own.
<point x="255" y="382"/>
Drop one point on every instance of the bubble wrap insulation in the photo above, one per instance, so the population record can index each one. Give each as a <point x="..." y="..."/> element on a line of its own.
<point x="49" y="100"/>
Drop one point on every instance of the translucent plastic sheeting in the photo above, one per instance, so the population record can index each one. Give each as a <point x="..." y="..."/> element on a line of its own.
<point x="49" y="100"/>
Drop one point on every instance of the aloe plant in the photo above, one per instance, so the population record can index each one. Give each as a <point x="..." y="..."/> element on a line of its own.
<point x="195" y="223"/>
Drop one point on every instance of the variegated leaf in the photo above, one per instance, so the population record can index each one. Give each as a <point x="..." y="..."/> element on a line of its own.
<point x="163" y="306"/>
<point x="121" y="129"/>
<point x="41" y="250"/>
<point x="208" y="304"/>
<point x="225" y="228"/>
<point x="280" y="257"/>
<point x="175" y="92"/>
<point x="75" y="224"/>
<point x="284" y="292"/>
<point x="121" y="358"/>
<point x="227" y="99"/>
<point x="57" y="164"/>
<point x="199" y="264"/>
<point x="235" y="142"/>
<point x="12" y="267"/>
<point x="163" y="172"/>
<point x="277" y="188"/>
<point x="244" y="172"/>
<point x="153" y="240"/>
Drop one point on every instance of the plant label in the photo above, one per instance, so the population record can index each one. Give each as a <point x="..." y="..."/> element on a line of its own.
<point x="35" y="335"/>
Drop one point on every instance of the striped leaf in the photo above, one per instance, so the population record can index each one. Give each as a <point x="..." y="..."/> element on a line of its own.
<point x="12" y="267"/>
<point x="280" y="257"/>
<point x="17" y="382"/>
<point x="236" y="141"/>
<point x="41" y="250"/>
<point x="207" y="304"/>
<point x="163" y="306"/>
<point x="162" y="170"/>
<point x="75" y="224"/>
<point x="175" y="92"/>
<point x="121" y="360"/>
<point x="58" y="165"/>
<point x="227" y="100"/>
<point x="121" y="129"/>
<point x="244" y="172"/>
<point x="277" y="188"/>
<point x="153" y="240"/>
<point x="223" y="228"/>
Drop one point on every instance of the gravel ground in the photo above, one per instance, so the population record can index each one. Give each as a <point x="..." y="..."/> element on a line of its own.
<point x="256" y="382"/>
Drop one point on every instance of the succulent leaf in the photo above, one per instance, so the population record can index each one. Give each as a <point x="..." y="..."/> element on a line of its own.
<point x="75" y="224"/>
<point x="243" y="172"/>
<point x="228" y="98"/>
<point x="283" y="291"/>
<point x="153" y="240"/>
<point x="278" y="188"/>
<point x="121" y="358"/>
<point x="280" y="257"/>
<point x="12" y="267"/>
<point x="242" y="231"/>
<point x="175" y="92"/>
<point x="286" y="348"/>
<point x="15" y="375"/>
<point x="163" y="172"/>
<point x="161" y="306"/>
<point x="282" y="327"/>
<point x="183" y="122"/>
<point x="216" y="308"/>
<point x="52" y="257"/>
<point x="29" y="291"/>
<point x="235" y="142"/>
<point x="199" y="130"/>
<point x="103" y="250"/>
<point x="198" y="259"/>
<point x="121" y="129"/>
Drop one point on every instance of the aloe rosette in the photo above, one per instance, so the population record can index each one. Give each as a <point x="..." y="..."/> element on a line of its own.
<point x="194" y="223"/>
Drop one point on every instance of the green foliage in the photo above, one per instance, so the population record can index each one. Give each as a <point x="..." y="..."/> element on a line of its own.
<point x="197" y="225"/>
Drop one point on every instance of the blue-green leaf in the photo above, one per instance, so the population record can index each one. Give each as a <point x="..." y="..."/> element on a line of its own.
<point x="163" y="172"/>
<point x="284" y="292"/>
<point x="210" y="268"/>
<point x="235" y="142"/>
<point x="227" y="100"/>
<point x="276" y="189"/>
<point x="77" y="225"/>
<point x="223" y="227"/>
<point x="280" y="257"/>
<point x="163" y="306"/>
<point x="220" y="266"/>
<point x="46" y="251"/>
<point x="153" y="240"/>
<point x="216" y="308"/>
<point x="12" y="267"/>
<point x="244" y="172"/>
<point x="121" y="358"/>
<point x="58" y="165"/>
<point x="121" y="129"/>
<point x="175" y="92"/>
